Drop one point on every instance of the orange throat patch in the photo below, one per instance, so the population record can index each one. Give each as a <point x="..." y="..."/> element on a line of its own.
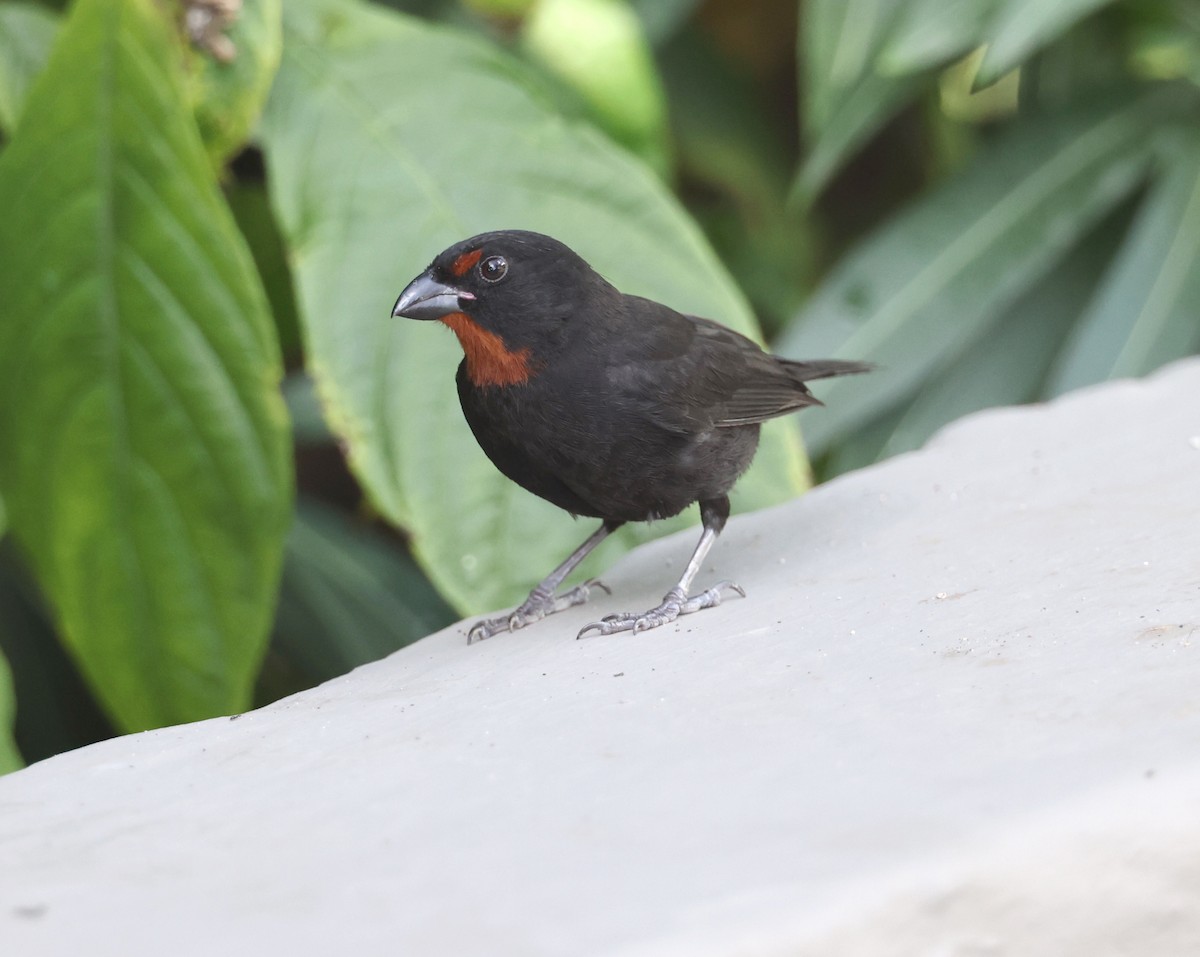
<point x="489" y="362"/>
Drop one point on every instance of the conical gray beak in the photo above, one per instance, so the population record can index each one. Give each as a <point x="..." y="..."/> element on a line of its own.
<point x="426" y="298"/>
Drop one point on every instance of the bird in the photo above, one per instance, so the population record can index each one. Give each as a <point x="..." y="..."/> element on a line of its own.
<point x="608" y="405"/>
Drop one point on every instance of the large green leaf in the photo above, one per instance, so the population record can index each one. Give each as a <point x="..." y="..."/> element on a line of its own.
<point x="1148" y="310"/>
<point x="386" y="141"/>
<point x="843" y="98"/>
<point x="932" y="278"/>
<point x="10" y="757"/>
<point x="143" y="444"/>
<point x="1021" y="27"/>
<point x="26" y="33"/>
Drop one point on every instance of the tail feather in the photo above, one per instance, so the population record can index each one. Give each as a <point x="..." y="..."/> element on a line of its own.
<point x="806" y="371"/>
<point x="766" y="393"/>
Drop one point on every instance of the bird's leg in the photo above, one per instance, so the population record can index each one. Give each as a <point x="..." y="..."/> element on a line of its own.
<point x="542" y="601"/>
<point x="676" y="602"/>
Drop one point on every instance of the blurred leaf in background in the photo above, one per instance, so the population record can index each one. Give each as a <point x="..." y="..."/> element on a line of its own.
<point x="1147" y="311"/>
<point x="930" y="293"/>
<point x="844" y="97"/>
<point x="348" y="597"/>
<point x="10" y="757"/>
<point x="936" y="276"/>
<point x="735" y="163"/>
<point x="56" y="710"/>
<point x="995" y="200"/>
<point x="597" y="47"/>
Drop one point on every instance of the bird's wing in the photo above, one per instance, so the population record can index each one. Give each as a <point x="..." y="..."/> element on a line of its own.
<point x="691" y="374"/>
<point x="757" y="385"/>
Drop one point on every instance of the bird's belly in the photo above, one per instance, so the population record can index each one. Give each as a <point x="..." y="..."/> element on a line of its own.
<point x="592" y="459"/>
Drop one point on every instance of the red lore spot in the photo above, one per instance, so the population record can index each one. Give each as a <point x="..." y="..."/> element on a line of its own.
<point x="462" y="265"/>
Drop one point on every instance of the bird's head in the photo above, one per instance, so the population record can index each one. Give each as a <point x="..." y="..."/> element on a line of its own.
<point x="510" y="296"/>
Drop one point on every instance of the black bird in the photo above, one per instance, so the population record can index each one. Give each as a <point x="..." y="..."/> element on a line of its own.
<point x="606" y="404"/>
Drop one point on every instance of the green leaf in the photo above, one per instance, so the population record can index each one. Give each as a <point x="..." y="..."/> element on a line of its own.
<point x="348" y="597"/>
<point x="930" y="279"/>
<point x="229" y="96"/>
<point x="844" y="100"/>
<point x="10" y="757"/>
<point x="57" y="711"/>
<point x="387" y="140"/>
<point x="860" y="449"/>
<point x="1022" y="27"/>
<point x="597" y="48"/>
<point x="662" y="19"/>
<point x="143" y="444"/>
<point x="1091" y="59"/>
<point x="930" y="33"/>
<point x="866" y="107"/>
<point x="727" y="140"/>
<point x="1147" y="312"/>
<point x="1005" y="364"/>
<point x="251" y="208"/>
<point x="1009" y="359"/>
<point x="836" y="47"/>
<point x="500" y="10"/>
<point x="26" y="34"/>
<point x="304" y="410"/>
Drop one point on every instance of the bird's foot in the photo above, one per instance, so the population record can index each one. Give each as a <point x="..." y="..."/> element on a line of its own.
<point x="674" y="604"/>
<point x="537" y="606"/>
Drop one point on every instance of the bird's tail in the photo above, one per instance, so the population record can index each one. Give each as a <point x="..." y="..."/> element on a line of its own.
<point x="824" y="368"/>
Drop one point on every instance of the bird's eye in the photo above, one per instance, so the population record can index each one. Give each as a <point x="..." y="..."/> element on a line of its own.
<point x="494" y="268"/>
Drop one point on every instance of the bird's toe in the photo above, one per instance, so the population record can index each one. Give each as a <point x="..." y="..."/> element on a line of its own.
<point x="579" y="594"/>
<point x="536" y="607"/>
<point x="673" y="605"/>
<point x="710" y="597"/>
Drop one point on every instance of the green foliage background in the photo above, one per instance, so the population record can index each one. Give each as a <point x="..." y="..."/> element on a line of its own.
<point x="996" y="200"/>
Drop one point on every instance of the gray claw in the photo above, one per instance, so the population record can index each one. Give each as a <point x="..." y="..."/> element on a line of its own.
<point x="484" y="629"/>
<point x="604" y="627"/>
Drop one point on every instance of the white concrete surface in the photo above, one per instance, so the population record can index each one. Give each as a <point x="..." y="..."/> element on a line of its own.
<point x="958" y="714"/>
